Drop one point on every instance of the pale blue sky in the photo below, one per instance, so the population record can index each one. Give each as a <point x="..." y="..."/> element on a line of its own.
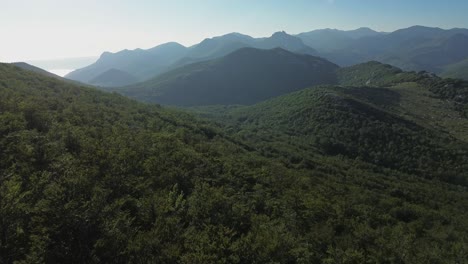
<point x="48" y="29"/>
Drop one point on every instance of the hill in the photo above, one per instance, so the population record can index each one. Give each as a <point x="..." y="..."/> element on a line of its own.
<point x="245" y="76"/>
<point x="29" y="67"/>
<point x="375" y="74"/>
<point x="113" y="77"/>
<point x="88" y="176"/>
<point x="359" y="123"/>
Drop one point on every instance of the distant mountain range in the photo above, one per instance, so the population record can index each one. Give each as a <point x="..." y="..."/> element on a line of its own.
<point x="326" y="40"/>
<point x="416" y="48"/>
<point x="145" y="64"/>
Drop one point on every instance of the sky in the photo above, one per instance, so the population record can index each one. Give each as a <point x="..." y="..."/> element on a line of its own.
<point x="53" y="29"/>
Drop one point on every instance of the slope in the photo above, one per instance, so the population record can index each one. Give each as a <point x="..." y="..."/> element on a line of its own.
<point x="87" y="176"/>
<point x="242" y="77"/>
<point x="375" y="74"/>
<point x="358" y="123"/>
<point x="113" y="77"/>
<point x="456" y="70"/>
<point x="35" y="69"/>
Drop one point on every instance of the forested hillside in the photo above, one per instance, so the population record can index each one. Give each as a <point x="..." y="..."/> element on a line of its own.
<point x="88" y="176"/>
<point x="355" y="122"/>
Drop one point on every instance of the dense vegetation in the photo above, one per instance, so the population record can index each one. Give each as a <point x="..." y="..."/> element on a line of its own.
<point x="245" y="76"/>
<point x="350" y="122"/>
<point x="375" y="74"/>
<point x="89" y="177"/>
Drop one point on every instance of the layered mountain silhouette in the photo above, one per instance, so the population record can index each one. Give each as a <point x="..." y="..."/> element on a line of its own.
<point x="145" y="64"/>
<point x="139" y="63"/>
<point x="415" y="48"/>
<point x="245" y="76"/>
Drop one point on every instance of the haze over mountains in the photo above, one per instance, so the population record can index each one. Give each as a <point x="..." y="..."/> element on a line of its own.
<point x="416" y="48"/>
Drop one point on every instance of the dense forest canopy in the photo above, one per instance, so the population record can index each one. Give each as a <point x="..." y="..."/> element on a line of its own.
<point x="88" y="176"/>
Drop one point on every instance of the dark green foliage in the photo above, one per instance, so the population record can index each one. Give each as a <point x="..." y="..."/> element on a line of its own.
<point x="246" y="76"/>
<point x="90" y="177"/>
<point x="375" y="74"/>
<point x="336" y="121"/>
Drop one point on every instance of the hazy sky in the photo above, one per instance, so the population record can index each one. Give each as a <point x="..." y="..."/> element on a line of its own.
<point x="49" y="29"/>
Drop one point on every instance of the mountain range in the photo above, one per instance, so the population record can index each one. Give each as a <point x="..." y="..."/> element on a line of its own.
<point x="416" y="48"/>
<point x="145" y="64"/>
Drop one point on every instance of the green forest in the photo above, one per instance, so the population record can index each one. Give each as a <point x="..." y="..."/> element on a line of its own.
<point x="357" y="176"/>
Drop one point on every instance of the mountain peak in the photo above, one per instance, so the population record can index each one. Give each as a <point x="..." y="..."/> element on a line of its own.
<point x="236" y="34"/>
<point x="280" y="34"/>
<point x="171" y="44"/>
<point x="105" y="54"/>
<point x="364" y="29"/>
